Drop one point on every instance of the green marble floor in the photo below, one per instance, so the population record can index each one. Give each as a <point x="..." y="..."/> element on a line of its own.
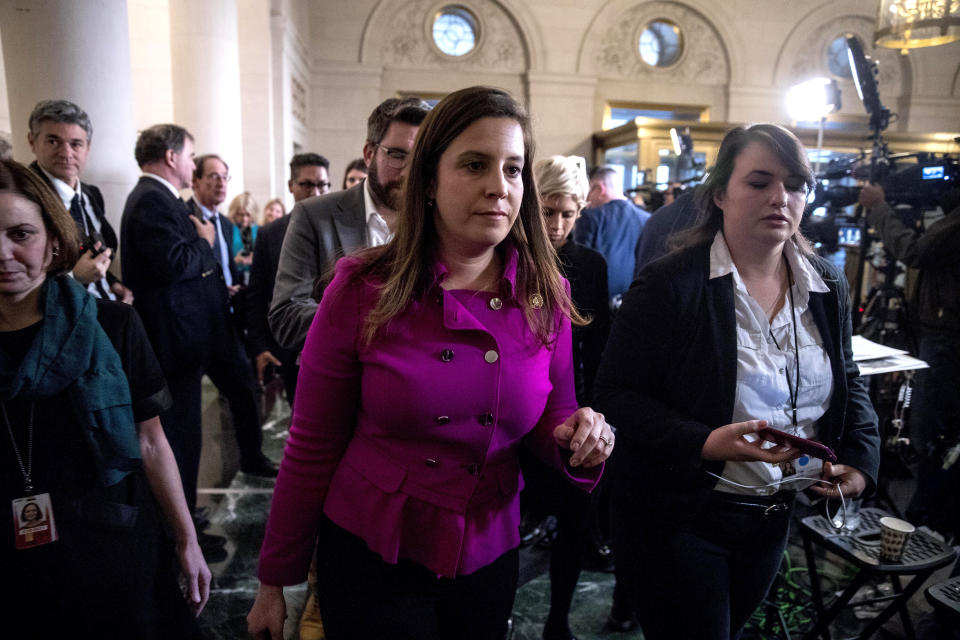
<point x="239" y="505"/>
<point x="588" y="615"/>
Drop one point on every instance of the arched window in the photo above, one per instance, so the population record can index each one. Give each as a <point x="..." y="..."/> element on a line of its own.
<point x="455" y="30"/>
<point x="661" y="43"/>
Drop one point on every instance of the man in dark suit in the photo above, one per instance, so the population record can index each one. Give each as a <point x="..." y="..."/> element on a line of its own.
<point x="169" y="262"/>
<point x="210" y="177"/>
<point x="309" y="177"/>
<point x="325" y="228"/>
<point x="59" y="135"/>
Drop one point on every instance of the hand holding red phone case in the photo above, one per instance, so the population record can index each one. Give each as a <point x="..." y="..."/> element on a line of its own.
<point x="809" y="447"/>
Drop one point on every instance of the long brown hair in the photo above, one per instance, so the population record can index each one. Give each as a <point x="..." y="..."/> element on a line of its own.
<point x="404" y="265"/>
<point x="788" y="149"/>
<point x="16" y="178"/>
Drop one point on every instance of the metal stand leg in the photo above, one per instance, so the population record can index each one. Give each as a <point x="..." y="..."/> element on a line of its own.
<point x="822" y="628"/>
<point x="823" y="622"/>
<point x="900" y="605"/>
<point x="904" y="614"/>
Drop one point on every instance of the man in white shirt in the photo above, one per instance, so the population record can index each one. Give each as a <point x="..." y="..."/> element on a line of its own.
<point x="327" y="227"/>
<point x="168" y="260"/>
<point x="59" y="135"/>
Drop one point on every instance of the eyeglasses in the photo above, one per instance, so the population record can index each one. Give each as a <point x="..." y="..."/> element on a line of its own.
<point x="310" y="185"/>
<point x="216" y="177"/>
<point x="396" y="158"/>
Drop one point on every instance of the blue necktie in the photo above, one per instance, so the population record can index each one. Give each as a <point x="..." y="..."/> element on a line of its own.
<point x="218" y="251"/>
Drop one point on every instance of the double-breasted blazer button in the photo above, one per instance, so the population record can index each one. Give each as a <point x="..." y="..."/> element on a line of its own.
<point x="431" y="462"/>
<point x="486" y="419"/>
<point x="446" y="355"/>
<point x="473" y="469"/>
<point x="491" y="356"/>
<point x="496" y="304"/>
<point x="442" y="419"/>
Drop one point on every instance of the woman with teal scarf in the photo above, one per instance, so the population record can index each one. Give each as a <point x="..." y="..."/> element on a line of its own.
<point x="83" y="452"/>
<point x="244" y="213"/>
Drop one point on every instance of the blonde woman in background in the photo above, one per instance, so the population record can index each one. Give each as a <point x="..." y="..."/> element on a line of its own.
<point x="244" y="213"/>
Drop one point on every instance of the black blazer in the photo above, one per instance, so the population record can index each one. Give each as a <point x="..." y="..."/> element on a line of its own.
<point x="668" y="377"/>
<point x="177" y="283"/>
<point x="95" y="198"/>
<point x="263" y="273"/>
<point x="587" y="272"/>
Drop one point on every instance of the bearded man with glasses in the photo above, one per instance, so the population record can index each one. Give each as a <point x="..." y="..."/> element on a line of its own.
<point x="324" y="228"/>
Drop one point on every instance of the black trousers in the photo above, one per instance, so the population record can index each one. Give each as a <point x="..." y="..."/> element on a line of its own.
<point x="232" y="374"/>
<point x="934" y="429"/>
<point x="289" y="370"/>
<point x="703" y="580"/>
<point x="578" y="513"/>
<point x="362" y="597"/>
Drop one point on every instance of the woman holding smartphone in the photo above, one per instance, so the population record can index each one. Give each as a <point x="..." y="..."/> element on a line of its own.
<point x="740" y="328"/>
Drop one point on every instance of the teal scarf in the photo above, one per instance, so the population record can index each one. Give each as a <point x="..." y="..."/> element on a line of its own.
<point x="72" y="353"/>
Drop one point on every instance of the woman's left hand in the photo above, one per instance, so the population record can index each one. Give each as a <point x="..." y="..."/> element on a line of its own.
<point x="588" y="435"/>
<point x="848" y="480"/>
<point x="196" y="576"/>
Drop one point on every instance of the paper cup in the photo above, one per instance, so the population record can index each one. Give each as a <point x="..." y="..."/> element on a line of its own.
<point x="894" y="534"/>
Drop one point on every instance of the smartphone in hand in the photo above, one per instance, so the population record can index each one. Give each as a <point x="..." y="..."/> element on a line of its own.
<point x="809" y="447"/>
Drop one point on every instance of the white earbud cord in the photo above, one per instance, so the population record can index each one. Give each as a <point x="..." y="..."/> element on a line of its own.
<point x="826" y="504"/>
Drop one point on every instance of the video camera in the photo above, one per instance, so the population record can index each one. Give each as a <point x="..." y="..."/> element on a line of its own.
<point x="912" y="182"/>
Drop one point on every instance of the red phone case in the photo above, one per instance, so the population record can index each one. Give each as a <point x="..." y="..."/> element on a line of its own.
<point x="815" y="449"/>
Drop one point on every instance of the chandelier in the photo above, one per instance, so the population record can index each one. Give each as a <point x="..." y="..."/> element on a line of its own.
<point x="909" y="24"/>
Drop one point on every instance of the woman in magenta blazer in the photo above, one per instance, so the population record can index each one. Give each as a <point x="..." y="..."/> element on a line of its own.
<point x="429" y="363"/>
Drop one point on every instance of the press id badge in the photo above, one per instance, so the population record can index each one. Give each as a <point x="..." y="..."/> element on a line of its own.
<point x="33" y="522"/>
<point x="804" y="467"/>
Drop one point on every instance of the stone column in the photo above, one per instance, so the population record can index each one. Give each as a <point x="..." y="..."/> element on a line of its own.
<point x="78" y="51"/>
<point x="206" y="80"/>
<point x="256" y="87"/>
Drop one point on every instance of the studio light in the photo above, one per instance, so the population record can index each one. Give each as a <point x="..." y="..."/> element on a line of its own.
<point x="814" y="99"/>
<point x="910" y="24"/>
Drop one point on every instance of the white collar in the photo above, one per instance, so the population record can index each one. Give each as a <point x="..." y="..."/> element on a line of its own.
<point x="804" y="275"/>
<point x="165" y="182"/>
<point x="208" y="214"/>
<point x="369" y="207"/>
<point x="65" y="191"/>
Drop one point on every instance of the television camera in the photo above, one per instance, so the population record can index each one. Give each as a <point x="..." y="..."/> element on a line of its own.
<point x="913" y="183"/>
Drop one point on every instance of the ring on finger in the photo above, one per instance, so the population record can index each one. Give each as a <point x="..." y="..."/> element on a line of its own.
<point x="605" y="442"/>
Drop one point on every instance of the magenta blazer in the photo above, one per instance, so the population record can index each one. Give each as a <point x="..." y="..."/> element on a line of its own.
<point x="411" y="442"/>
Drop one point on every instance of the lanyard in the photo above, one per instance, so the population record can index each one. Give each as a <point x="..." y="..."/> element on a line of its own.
<point x="794" y="390"/>
<point x="27" y="470"/>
